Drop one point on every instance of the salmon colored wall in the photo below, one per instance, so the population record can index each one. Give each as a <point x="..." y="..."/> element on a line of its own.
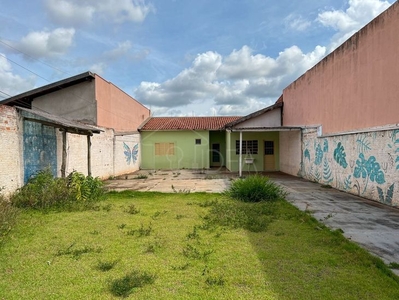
<point x="116" y="109"/>
<point x="356" y="86"/>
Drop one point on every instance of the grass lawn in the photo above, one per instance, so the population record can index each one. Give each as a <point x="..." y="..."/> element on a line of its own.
<point x="185" y="246"/>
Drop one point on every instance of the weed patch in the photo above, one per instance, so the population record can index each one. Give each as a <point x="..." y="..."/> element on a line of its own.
<point x="123" y="287"/>
<point x="8" y="215"/>
<point x="105" y="266"/>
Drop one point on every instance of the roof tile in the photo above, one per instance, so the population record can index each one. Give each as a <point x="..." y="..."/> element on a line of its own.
<point x="187" y="123"/>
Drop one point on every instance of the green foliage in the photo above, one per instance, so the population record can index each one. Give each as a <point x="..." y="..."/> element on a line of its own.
<point x="307" y="154"/>
<point x="8" y="215"/>
<point x="43" y="191"/>
<point x="340" y="155"/>
<point x="255" y="188"/>
<point x="348" y="183"/>
<point x="123" y="287"/>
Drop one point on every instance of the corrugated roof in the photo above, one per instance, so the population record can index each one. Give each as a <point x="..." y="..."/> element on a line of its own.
<point x="187" y="123"/>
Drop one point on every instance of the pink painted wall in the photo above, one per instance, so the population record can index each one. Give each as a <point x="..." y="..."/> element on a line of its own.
<point x="116" y="109"/>
<point x="356" y="86"/>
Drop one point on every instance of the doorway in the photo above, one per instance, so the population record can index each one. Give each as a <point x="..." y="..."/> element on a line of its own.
<point x="269" y="157"/>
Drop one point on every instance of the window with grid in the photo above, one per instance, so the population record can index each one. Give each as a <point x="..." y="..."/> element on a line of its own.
<point x="248" y="147"/>
<point x="198" y="141"/>
<point x="164" y="149"/>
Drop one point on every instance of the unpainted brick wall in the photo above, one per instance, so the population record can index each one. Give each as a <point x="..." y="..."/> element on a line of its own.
<point x="11" y="150"/>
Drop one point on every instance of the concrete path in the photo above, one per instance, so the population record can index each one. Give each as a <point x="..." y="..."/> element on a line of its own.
<point x="370" y="224"/>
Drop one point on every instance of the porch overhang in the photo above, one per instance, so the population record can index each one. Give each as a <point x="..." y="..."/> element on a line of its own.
<point x="264" y="129"/>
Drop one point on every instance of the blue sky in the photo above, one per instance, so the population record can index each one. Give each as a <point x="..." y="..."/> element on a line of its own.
<point x="178" y="57"/>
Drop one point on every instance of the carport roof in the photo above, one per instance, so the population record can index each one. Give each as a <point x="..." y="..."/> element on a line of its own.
<point x="58" y="122"/>
<point x="187" y="123"/>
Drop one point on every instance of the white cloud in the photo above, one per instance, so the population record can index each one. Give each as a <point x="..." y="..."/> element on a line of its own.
<point x="236" y="83"/>
<point x="297" y="22"/>
<point x="69" y="13"/>
<point x="348" y="22"/>
<point x="121" y="50"/>
<point x="98" y="68"/>
<point x="77" y="12"/>
<point x="45" y="44"/>
<point x="10" y="83"/>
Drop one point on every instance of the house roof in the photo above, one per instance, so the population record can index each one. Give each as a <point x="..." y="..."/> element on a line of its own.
<point x="186" y="123"/>
<point x="58" y="122"/>
<point x="234" y="123"/>
<point x="25" y="99"/>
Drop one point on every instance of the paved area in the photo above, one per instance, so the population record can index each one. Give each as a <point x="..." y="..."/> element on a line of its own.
<point x="370" y="224"/>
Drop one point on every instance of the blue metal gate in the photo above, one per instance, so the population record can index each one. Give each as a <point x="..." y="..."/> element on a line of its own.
<point x="40" y="149"/>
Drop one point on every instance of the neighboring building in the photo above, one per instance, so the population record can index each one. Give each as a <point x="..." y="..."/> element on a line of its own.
<point x="339" y="122"/>
<point x="81" y="123"/>
<point x="184" y="142"/>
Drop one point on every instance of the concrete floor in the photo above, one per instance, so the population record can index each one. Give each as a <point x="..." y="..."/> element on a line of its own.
<point x="370" y="224"/>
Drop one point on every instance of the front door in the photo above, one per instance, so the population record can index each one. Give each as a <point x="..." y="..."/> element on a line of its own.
<point x="216" y="155"/>
<point x="269" y="158"/>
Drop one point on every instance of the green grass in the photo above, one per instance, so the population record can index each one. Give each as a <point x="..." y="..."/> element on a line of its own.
<point x="185" y="246"/>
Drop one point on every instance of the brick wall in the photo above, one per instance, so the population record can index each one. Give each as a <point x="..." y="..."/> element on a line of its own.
<point x="11" y="164"/>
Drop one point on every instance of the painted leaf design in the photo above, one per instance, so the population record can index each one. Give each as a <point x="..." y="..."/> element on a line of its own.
<point x="363" y="145"/>
<point x="325" y="146"/>
<point x="348" y="183"/>
<point x="327" y="174"/>
<point x="307" y="154"/>
<point x="389" y="196"/>
<point x="380" y="194"/>
<point x="360" y="169"/>
<point x="340" y="155"/>
<point x="319" y="155"/>
<point x="374" y="171"/>
<point x="127" y="152"/>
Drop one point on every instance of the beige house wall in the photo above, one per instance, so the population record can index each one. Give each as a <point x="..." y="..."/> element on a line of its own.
<point x="290" y="152"/>
<point x="355" y="86"/>
<point x="116" y="109"/>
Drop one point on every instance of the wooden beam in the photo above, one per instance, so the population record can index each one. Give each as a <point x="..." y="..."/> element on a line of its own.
<point x="64" y="153"/>
<point x="88" y="156"/>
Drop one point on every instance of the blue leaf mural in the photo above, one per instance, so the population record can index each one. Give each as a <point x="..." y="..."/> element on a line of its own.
<point x="319" y="155"/>
<point x="348" y="183"/>
<point x="388" y="198"/>
<point x="307" y="154"/>
<point x="363" y="145"/>
<point x="327" y="174"/>
<point x="325" y="146"/>
<point x="340" y="155"/>
<point x="369" y="169"/>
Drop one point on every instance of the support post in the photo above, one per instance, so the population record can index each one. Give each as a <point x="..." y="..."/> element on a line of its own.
<point x="88" y="155"/>
<point x="240" y="158"/>
<point x="64" y="153"/>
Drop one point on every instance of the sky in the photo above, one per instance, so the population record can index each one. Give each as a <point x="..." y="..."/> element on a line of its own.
<point x="177" y="57"/>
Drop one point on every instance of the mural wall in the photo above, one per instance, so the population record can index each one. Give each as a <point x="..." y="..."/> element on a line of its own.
<point x="364" y="164"/>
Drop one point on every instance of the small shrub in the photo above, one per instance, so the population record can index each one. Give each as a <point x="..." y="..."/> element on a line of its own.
<point x="255" y="188"/>
<point x="141" y="176"/>
<point x="123" y="287"/>
<point x="43" y="191"/>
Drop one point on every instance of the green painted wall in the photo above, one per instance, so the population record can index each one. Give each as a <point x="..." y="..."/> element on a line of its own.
<point x="188" y="155"/>
<point x="218" y="137"/>
<point x="233" y="158"/>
